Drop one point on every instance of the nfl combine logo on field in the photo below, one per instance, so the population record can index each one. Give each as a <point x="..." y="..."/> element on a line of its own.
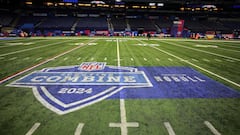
<point x="69" y="88"/>
<point x="90" y="66"/>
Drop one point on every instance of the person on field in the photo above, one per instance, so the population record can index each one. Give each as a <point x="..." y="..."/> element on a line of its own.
<point x="148" y="36"/>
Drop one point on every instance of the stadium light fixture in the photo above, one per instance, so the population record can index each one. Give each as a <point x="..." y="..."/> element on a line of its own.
<point x="160" y="4"/>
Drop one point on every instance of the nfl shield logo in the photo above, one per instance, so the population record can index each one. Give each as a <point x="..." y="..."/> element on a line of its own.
<point x="91" y="66"/>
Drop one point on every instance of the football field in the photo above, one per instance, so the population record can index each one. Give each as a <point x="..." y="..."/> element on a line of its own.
<point x="119" y="86"/>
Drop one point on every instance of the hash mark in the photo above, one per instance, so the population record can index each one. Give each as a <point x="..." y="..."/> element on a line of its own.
<point x="79" y="129"/>
<point x="33" y="129"/>
<point x="212" y="128"/>
<point x="169" y="128"/>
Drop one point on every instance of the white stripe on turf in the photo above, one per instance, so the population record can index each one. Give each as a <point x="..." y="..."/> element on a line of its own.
<point x="169" y="128"/>
<point x="13" y="58"/>
<point x="218" y="60"/>
<point x="124" y="124"/>
<point x="223" y="56"/>
<point x="78" y="130"/>
<point x="195" y="60"/>
<point x="32" y="48"/>
<point x="27" y="58"/>
<point x="203" y="69"/>
<point x="65" y="58"/>
<point x="206" y="60"/>
<point x="39" y="64"/>
<point x="170" y="59"/>
<point x="212" y="128"/>
<point x="33" y="129"/>
<point x="39" y="58"/>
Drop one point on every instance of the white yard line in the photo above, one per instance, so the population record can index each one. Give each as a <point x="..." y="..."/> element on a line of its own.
<point x="78" y="130"/>
<point x="223" y="56"/>
<point x="24" y="50"/>
<point x="203" y="69"/>
<point x="124" y="124"/>
<point x="39" y="64"/>
<point x="229" y="50"/>
<point x="33" y="129"/>
<point x="169" y="128"/>
<point x="212" y="128"/>
<point x="34" y="42"/>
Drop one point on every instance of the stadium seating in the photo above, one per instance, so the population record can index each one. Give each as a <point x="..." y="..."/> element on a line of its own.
<point x="92" y="23"/>
<point x="144" y="24"/>
<point x="57" y="23"/>
<point x="119" y="24"/>
<point x="6" y="18"/>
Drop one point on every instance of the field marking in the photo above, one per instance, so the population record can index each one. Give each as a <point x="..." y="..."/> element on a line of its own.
<point x="206" y="46"/>
<point x="170" y="59"/>
<point x="203" y="51"/>
<point x="24" y="50"/>
<point x="212" y="128"/>
<point x="124" y="124"/>
<point x="38" y="58"/>
<point x="27" y="58"/>
<point x="13" y="58"/>
<point x="229" y="60"/>
<point x="169" y="128"/>
<point x="145" y="59"/>
<point x="206" y="60"/>
<point x="23" y="45"/>
<point x="195" y="60"/>
<point x="78" y="130"/>
<point x="229" y="50"/>
<point x="157" y="59"/>
<point x="39" y="64"/>
<point x="78" y="58"/>
<point x="33" y="129"/>
<point x="203" y="69"/>
<point x="65" y="59"/>
<point x="218" y="60"/>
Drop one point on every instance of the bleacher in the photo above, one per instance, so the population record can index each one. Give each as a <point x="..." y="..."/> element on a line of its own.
<point x="6" y="19"/>
<point x="119" y="24"/>
<point x="144" y="24"/>
<point x="92" y="23"/>
<point x="57" y="23"/>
